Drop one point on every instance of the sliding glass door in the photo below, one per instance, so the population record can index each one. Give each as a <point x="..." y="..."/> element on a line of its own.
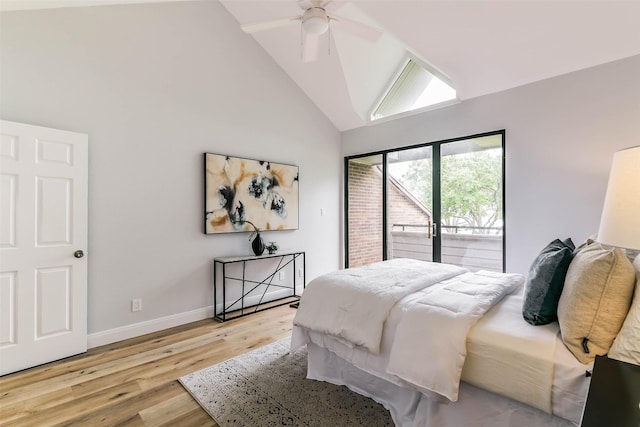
<point x="471" y="225"/>
<point x="441" y="202"/>
<point x="364" y="187"/>
<point x="409" y="219"/>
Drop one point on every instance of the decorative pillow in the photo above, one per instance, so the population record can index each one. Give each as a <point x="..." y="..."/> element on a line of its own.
<point x="545" y="282"/>
<point x="584" y="244"/>
<point x="595" y="300"/>
<point x="626" y="346"/>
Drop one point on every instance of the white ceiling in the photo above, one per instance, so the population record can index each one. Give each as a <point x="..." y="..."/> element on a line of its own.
<point x="481" y="46"/>
<point x="7" y="5"/>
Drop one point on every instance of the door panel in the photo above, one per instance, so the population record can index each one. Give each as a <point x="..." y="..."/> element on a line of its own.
<point x="53" y="211"/>
<point x="471" y="184"/>
<point x="364" y="214"/>
<point x="7" y="308"/>
<point x="43" y="287"/>
<point x="8" y="187"/>
<point x="409" y="204"/>
<point x="53" y="301"/>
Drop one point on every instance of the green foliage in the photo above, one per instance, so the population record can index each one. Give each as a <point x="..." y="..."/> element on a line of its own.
<point x="471" y="188"/>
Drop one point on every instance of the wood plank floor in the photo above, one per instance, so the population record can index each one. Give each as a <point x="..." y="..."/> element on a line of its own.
<point x="134" y="382"/>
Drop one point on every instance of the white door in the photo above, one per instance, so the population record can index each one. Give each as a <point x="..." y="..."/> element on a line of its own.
<point x="43" y="243"/>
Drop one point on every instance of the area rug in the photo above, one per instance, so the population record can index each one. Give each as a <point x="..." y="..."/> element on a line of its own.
<point x="267" y="387"/>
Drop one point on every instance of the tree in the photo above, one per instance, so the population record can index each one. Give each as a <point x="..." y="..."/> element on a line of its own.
<point x="471" y="188"/>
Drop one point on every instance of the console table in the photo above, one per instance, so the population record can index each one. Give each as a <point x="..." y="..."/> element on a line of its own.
<point x="236" y="308"/>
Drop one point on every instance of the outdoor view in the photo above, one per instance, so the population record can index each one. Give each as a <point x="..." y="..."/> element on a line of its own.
<point x="471" y="195"/>
<point x="468" y="207"/>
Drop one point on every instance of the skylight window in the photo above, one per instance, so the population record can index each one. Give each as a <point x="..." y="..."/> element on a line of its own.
<point x="414" y="88"/>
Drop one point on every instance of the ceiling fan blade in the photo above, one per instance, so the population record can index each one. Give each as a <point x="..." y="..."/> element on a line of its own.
<point x="329" y="5"/>
<point x="356" y="28"/>
<point x="310" y="47"/>
<point x="268" y="25"/>
<point x="305" y="4"/>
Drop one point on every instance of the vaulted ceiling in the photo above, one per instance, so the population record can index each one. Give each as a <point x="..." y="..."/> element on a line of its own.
<point x="481" y="46"/>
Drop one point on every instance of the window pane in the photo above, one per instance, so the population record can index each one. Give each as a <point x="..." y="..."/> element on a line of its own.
<point x="409" y="204"/>
<point x="471" y="203"/>
<point x="414" y="88"/>
<point x="364" y="210"/>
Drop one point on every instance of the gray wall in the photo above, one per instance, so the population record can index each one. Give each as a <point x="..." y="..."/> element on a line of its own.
<point x="155" y="86"/>
<point x="561" y="134"/>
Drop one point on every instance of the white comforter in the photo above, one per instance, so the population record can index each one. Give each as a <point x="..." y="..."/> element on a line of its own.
<point x="429" y="347"/>
<point x="353" y="304"/>
<point x="505" y="355"/>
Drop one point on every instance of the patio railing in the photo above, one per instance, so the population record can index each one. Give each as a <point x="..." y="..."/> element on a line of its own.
<point x="473" y="251"/>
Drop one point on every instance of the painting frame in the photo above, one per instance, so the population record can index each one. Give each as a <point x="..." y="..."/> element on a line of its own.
<point x="242" y="193"/>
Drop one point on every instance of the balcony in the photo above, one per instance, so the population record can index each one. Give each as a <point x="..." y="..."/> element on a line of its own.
<point x="459" y="245"/>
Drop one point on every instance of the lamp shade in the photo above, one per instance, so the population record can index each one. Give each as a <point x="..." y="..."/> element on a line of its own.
<point x="620" y="222"/>
<point x="315" y="21"/>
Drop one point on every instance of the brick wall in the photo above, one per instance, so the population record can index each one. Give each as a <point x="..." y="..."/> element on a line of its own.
<point x="365" y="213"/>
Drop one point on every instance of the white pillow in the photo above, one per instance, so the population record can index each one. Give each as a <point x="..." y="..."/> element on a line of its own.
<point x="626" y="346"/>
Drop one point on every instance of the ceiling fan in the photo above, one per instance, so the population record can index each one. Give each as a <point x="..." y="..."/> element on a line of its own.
<point x="315" y="20"/>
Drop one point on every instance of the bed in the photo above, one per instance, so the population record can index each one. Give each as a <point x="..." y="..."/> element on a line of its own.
<point x="486" y="365"/>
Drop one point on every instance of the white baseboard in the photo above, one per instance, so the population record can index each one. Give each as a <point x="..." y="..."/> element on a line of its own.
<point x="130" y="331"/>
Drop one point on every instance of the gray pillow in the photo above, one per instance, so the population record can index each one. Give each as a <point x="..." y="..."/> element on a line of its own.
<point x="545" y="281"/>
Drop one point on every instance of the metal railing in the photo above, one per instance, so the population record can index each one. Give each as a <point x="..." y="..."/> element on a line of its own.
<point x="456" y="228"/>
<point x="471" y="250"/>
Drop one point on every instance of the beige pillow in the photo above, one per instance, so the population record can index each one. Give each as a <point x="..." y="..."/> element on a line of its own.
<point x="595" y="300"/>
<point x="626" y="346"/>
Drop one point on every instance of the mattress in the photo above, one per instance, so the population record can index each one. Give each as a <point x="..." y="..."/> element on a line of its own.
<point x="497" y="361"/>
<point x="507" y="355"/>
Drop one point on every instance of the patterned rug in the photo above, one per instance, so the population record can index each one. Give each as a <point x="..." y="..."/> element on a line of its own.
<point x="267" y="387"/>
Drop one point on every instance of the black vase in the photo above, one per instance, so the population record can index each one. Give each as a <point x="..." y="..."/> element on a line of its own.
<point x="257" y="245"/>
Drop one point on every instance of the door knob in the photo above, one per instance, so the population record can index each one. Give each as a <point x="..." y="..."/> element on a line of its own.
<point x="78" y="254"/>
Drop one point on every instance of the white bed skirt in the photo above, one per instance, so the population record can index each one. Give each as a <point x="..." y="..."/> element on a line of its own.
<point x="409" y="408"/>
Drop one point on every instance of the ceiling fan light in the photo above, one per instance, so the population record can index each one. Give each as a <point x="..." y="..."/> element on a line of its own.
<point x="315" y="21"/>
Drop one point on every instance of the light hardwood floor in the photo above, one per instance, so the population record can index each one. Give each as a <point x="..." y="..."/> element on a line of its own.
<point x="134" y="382"/>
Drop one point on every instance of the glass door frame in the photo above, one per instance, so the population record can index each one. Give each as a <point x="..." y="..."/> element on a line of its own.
<point x="436" y="213"/>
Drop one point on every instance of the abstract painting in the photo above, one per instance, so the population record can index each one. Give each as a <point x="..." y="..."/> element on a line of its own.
<point x="238" y="191"/>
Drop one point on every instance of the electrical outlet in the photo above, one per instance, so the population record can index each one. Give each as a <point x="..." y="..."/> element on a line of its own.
<point x="299" y="272"/>
<point x="136" y="304"/>
<point x="280" y="275"/>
